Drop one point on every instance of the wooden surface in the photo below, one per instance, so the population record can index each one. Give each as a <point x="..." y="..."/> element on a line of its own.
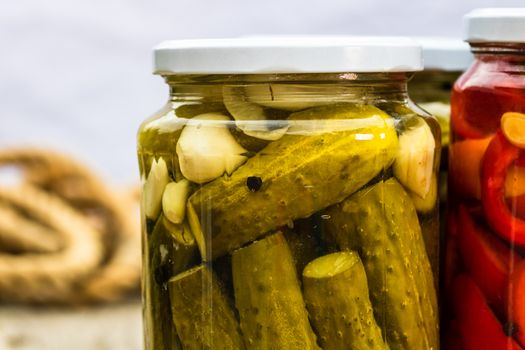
<point x="115" y="327"/>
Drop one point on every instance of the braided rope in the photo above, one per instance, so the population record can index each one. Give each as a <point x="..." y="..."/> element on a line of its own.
<point x="19" y="234"/>
<point x="113" y="218"/>
<point x="56" y="276"/>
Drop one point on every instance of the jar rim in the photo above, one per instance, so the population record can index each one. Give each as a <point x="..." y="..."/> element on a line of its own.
<point x="300" y="54"/>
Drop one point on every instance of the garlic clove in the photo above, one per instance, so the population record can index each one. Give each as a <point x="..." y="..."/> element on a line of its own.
<point x="196" y="164"/>
<point x="153" y="189"/>
<point x="253" y="119"/>
<point x="288" y="97"/>
<point x="232" y="162"/>
<point x="415" y="161"/>
<point x="174" y="200"/>
<point x="426" y="204"/>
<point x="206" y="148"/>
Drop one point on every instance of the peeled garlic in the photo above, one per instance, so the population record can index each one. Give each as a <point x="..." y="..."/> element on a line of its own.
<point x="154" y="185"/>
<point x="288" y="97"/>
<point x="425" y="204"/>
<point x="415" y="161"/>
<point x="174" y="200"/>
<point x="207" y="149"/>
<point x="253" y="119"/>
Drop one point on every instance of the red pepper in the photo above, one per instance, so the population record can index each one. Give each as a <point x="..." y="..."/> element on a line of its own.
<point x="517" y="302"/>
<point x="517" y="206"/>
<point x="486" y="259"/>
<point x="476" y="111"/>
<point x="482" y="95"/>
<point x="459" y="125"/>
<point x="499" y="156"/>
<point x="478" y="326"/>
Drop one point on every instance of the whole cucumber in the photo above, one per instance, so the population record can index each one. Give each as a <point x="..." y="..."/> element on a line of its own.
<point x="381" y="223"/>
<point x="329" y="153"/>
<point x="336" y="294"/>
<point x="268" y="297"/>
<point x="202" y="312"/>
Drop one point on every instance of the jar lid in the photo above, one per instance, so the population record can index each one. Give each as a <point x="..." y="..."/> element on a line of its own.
<point x="446" y="54"/>
<point x="259" y="55"/>
<point x="495" y="25"/>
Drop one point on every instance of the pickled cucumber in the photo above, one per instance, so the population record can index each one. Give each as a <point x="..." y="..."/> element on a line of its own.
<point x="431" y="236"/>
<point x="426" y="208"/>
<point x="268" y="297"/>
<point x="201" y="312"/>
<point x="381" y="223"/>
<point x="299" y="175"/>
<point x="336" y="295"/>
<point x="169" y="249"/>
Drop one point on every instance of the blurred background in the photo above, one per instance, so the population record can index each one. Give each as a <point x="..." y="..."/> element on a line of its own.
<point x="76" y="76"/>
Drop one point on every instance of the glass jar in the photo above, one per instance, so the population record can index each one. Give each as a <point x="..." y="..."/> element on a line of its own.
<point x="484" y="274"/>
<point x="287" y="190"/>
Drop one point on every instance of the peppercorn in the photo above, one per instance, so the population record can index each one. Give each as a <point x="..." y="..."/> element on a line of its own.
<point x="254" y="183"/>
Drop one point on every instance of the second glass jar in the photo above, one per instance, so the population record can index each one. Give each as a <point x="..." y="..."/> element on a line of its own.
<point x="484" y="264"/>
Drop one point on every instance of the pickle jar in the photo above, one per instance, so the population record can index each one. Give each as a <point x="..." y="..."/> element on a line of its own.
<point x="484" y="281"/>
<point x="289" y="197"/>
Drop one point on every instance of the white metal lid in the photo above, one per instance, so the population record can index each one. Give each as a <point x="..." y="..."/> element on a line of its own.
<point x="495" y="25"/>
<point x="447" y="54"/>
<point x="288" y="55"/>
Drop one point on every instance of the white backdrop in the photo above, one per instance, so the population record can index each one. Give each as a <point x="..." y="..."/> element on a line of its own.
<point x="76" y="74"/>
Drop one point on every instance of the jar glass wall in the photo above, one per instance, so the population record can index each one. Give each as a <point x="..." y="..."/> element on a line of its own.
<point x="289" y="211"/>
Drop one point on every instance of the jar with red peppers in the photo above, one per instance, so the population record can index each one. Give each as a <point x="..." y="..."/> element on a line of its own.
<point x="484" y="262"/>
